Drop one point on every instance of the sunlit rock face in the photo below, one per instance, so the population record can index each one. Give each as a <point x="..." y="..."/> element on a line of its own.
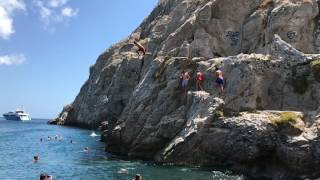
<point x="264" y="124"/>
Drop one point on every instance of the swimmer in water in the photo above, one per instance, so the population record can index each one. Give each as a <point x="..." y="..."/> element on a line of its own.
<point x="86" y="149"/>
<point x="36" y="158"/>
<point x="45" y="176"/>
<point x="137" y="177"/>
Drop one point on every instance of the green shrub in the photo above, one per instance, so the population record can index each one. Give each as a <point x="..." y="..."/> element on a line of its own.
<point x="286" y="118"/>
<point x="218" y="114"/>
<point x="315" y="67"/>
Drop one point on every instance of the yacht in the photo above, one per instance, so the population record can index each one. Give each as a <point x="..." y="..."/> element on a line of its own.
<point x="19" y="115"/>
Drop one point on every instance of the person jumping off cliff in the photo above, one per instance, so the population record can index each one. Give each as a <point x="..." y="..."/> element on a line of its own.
<point x="141" y="49"/>
<point x="219" y="78"/>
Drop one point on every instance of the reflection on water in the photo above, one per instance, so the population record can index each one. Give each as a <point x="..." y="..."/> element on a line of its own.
<point x="20" y="141"/>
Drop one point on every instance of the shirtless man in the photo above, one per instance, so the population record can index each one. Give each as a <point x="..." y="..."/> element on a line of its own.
<point x="219" y="79"/>
<point x="140" y="47"/>
<point x="185" y="78"/>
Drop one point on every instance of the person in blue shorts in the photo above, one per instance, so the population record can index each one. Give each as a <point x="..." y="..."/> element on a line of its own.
<point x="185" y="77"/>
<point x="219" y="79"/>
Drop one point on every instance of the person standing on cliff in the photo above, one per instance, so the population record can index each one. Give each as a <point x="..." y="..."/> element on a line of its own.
<point x="219" y="79"/>
<point x="185" y="76"/>
<point x="199" y="80"/>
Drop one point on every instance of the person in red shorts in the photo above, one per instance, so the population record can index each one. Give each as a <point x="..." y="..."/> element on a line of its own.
<point x="199" y="80"/>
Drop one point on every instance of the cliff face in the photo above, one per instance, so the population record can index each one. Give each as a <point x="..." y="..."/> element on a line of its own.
<point x="266" y="121"/>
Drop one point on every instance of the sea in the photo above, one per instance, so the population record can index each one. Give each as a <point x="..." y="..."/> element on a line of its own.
<point x="21" y="141"/>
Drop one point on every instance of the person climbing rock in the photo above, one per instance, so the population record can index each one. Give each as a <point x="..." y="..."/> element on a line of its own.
<point x="219" y="79"/>
<point x="199" y="80"/>
<point x="141" y="49"/>
<point x="185" y="76"/>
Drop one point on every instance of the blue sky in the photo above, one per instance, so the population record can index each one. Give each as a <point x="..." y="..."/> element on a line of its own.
<point x="47" y="47"/>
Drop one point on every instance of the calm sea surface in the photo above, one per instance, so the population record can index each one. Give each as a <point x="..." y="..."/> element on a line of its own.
<point x="20" y="141"/>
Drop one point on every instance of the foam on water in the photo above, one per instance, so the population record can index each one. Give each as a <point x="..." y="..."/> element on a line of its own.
<point x="93" y="134"/>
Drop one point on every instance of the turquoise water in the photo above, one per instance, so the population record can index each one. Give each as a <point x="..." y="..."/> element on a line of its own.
<point x="20" y="141"/>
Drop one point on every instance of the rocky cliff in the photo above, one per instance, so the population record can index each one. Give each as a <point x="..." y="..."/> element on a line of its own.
<point x="265" y="123"/>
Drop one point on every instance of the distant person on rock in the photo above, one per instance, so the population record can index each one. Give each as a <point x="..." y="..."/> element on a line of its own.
<point x="219" y="79"/>
<point x="141" y="49"/>
<point x="199" y="80"/>
<point x="137" y="177"/>
<point x="185" y="77"/>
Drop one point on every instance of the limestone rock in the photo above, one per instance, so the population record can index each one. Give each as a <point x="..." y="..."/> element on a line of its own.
<point x="264" y="48"/>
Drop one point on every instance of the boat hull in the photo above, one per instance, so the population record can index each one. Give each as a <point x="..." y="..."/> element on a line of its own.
<point x="17" y="118"/>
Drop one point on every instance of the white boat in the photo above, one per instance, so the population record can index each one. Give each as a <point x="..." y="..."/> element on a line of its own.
<point x="19" y="115"/>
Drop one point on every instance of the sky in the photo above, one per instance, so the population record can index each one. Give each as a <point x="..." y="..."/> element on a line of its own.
<point x="47" y="47"/>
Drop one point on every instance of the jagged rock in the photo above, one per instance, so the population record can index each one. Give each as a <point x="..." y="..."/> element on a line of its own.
<point x="149" y="116"/>
<point x="56" y="121"/>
